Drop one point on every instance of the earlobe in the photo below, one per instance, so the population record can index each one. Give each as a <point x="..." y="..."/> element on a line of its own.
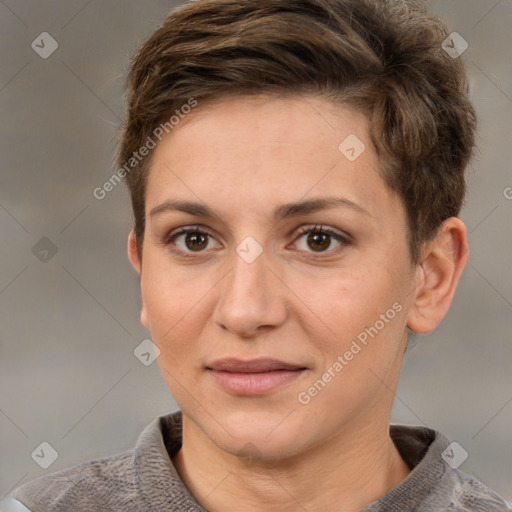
<point x="443" y="261"/>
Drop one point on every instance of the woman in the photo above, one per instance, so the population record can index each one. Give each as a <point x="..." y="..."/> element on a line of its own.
<point x="296" y="169"/>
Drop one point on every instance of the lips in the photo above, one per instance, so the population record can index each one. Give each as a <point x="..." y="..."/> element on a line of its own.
<point x="254" y="366"/>
<point x="253" y="378"/>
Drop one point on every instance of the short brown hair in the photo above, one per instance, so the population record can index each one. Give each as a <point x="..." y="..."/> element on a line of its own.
<point x="383" y="57"/>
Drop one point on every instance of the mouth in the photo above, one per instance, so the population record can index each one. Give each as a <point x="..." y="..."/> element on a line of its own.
<point x="253" y="378"/>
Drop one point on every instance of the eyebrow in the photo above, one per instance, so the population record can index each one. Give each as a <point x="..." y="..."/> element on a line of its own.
<point x="284" y="211"/>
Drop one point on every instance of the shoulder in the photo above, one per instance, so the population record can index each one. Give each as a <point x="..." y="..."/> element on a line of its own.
<point x="92" y="485"/>
<point x="107" y="483"/>
<point x="435" y="483"/>
<point x="471" y="495"/>
<point x="140" y="479"/>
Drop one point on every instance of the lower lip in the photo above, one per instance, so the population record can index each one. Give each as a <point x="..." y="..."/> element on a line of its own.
<point x="254" y="384"/>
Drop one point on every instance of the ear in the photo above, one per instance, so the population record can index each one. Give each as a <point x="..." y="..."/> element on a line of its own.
<point x="133" y="253"/>
<point x="135" y="260"/>
<point x="443" y="261"/>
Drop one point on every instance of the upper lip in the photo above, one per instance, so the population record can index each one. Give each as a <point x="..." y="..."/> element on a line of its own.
<point x="252" y="366"/>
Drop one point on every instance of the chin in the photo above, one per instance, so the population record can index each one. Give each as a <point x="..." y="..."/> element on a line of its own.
<point x="258" y="437"/>
<point x="257" y="449"/>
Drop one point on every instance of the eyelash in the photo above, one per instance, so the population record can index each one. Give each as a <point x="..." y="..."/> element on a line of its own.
<point x="344" y="240"/>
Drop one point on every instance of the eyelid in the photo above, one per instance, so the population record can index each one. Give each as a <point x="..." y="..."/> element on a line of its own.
<point x="323" y="229"/>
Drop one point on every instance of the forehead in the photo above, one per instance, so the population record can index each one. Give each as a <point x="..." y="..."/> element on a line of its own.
<point x="262" y="151"/>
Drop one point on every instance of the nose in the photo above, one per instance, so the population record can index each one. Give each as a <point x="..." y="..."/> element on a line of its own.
<point x="251" y="298"/>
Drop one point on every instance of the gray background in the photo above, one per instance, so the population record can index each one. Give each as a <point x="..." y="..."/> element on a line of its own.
<point x="69" y="325"/>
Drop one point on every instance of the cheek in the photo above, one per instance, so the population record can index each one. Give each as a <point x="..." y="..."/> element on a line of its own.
<point x="170" y="304"/>
<point x="359" y="364"/>
<point x="176" y="316"/>
<point x="366" y="321"/>
<point x="170" y="293"/>
<point x="343" y="305"/>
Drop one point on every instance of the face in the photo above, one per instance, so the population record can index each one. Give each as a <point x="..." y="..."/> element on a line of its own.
<point x="276" y="278"/>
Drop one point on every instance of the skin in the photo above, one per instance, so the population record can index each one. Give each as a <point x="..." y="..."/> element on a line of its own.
<point x="296" y="303"/>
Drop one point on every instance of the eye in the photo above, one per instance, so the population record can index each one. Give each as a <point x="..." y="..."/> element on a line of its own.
<point x="189" y="240"/>
<point x="318" y="239"/>
<point x="312" y="239"/>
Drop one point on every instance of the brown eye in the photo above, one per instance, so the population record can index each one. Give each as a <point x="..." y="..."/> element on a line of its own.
<point x="319" y="241"/>
<point x="188" y="241"/>
<point x="196" y="241"/>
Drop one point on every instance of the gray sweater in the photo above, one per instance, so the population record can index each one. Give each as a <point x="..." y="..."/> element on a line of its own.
<point x="145" y="480"/>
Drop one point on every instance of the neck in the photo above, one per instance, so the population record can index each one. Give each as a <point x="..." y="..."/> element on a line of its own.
<point x="357" y="467"/>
